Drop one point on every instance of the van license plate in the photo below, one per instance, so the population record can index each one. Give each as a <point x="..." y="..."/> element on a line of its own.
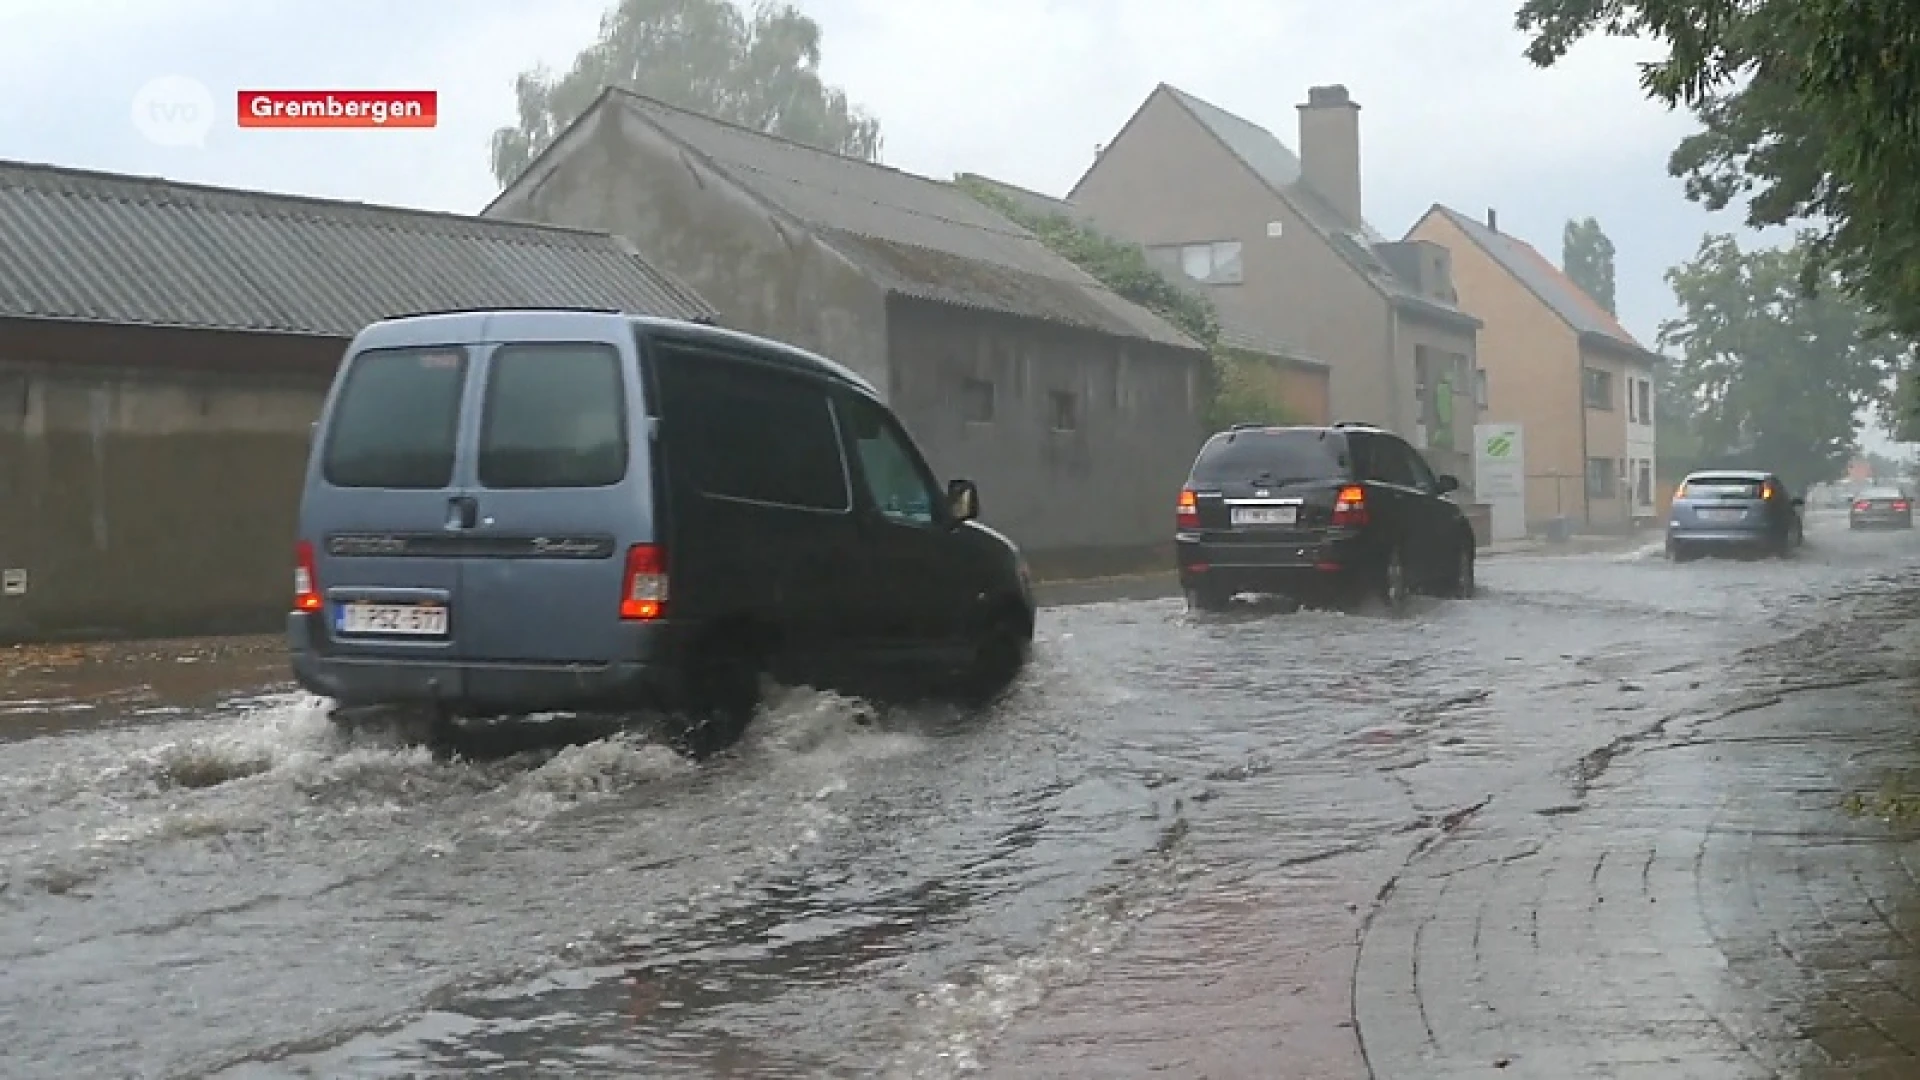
<point x="411" y="620"/>
<point x="1265" y="515"/>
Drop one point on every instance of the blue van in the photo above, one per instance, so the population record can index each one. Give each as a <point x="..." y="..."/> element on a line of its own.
<point x="511" y="512"/>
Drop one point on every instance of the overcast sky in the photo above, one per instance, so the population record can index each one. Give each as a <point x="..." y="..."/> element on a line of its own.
<point x="1018" y="89"/>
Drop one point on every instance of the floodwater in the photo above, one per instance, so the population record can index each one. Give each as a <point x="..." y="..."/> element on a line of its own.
<point x="1191" y="846"/>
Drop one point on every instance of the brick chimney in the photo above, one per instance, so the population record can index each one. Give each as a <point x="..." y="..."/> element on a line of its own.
<point x="1330" y="149"/>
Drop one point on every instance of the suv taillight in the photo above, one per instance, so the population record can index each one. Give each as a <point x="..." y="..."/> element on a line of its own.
<point x="1350" y="507"/>
<point x="306" y="581"/>
<point x="643" y="588"/>
<point x="1186" y="514"/>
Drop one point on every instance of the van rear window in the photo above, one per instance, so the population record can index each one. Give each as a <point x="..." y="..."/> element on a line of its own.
<point x="1278" y="456"/>
<point x="397" y="420"/>
<point x="555" y="417"/>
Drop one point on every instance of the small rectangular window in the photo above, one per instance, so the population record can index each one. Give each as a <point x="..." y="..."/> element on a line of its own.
<point x="396" y="423"/>
<point x="1065" y="407"/>
<point x="554" y="417"/>
<point x="1646" y="401"/>
<point x="1216" y="263"/>
<point x="1480" y="388"/>
<point x="976" y="401"/>
<point x="1601" y="478"/>
<point x="1597" y="388"/>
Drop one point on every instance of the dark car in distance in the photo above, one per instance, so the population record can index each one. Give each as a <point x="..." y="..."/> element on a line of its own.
<point x="1733" y="510"/>
<point x="1880" y="508"/>
<point x="1337" y="513"/>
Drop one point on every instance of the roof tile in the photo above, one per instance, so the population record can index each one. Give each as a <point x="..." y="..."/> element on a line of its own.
<point x="918" y="236"/>
<point x="1545" y="280"/>
<point x="105" y="247"/>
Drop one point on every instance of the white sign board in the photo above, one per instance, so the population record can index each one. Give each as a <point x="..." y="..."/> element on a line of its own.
<point x="1500" y="477"/>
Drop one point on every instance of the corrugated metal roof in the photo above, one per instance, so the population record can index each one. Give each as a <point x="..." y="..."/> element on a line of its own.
<point x="1545" y="280"/>
<point x="104" y="247"/>
<point x="1238" y="329"/>
<point x="919" y="236"/>
<point x="1278" y="167"/>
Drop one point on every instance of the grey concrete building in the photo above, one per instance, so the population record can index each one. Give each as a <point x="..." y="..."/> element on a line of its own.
<point x="1281" y="243"/>
<point x="1075" y="411"/>
<point x="164" y="350"/>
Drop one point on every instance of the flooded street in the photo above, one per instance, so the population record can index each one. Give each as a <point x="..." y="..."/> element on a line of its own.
<point x="1613" y="815"/>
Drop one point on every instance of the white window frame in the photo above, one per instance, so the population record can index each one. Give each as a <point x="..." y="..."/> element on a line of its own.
<point x="1218" y="262"/>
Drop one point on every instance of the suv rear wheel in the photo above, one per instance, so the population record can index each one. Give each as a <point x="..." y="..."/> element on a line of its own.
<point x="1392" y="586"/>
<point x="1463" y="585"/>
<point x="1207" y="599"/>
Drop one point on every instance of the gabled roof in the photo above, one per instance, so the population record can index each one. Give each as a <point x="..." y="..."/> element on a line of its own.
<point x="1278" y="168"/>
<point x="1237" y="330"/>
<point x="105" y="247"/>
<point x="1544" y="280"/>
<point x="912" y="235"/>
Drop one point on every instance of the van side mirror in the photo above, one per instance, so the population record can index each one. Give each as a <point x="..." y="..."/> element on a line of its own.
<point x="1445" y="483"/>
<point x="963" y="500"/>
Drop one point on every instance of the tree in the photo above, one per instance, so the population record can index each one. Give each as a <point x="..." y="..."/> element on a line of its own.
<point x="1587" y="256"/>
<point x="1123" y="267"/>
<point x="1807" y="108"/>
<point x="1773" y="374"/>
<point x="761" y="72"/>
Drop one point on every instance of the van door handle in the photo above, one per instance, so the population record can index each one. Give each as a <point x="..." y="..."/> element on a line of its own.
<point x="463" y="512"/>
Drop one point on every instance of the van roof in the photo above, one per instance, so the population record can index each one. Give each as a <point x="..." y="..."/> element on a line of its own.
<point x="512" y="324"/>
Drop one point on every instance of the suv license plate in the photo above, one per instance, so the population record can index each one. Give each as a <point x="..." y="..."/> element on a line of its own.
<point x="1265" y="515"/>
<point x="409" y="620"/>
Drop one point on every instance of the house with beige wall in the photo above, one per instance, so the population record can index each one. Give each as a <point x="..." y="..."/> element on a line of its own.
<point x="1281" y="245"/>
<point x="1275" y="368"/>
<point x="1563" y="368"/>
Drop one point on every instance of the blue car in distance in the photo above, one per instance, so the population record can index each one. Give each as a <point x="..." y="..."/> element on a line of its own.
<point x="1735" y="511"/>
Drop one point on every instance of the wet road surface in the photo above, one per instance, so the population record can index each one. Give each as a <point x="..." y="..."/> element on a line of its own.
<point x="1612" y="818"/>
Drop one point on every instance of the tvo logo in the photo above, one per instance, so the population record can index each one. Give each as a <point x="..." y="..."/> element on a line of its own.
<point x="173" y="110"/>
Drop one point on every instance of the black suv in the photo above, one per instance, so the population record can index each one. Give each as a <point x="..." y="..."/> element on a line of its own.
<point x="1319" y="514"/>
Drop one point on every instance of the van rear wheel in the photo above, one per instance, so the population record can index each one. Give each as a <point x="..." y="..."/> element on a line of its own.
<point x="723" y="694"/>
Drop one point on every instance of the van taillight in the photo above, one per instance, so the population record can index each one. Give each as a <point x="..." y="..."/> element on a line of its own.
<point x="643" y="590"/>
<point x="1350" y="507"/>
<point x="306" y="581"/>
<point x="1186" y="514"/>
